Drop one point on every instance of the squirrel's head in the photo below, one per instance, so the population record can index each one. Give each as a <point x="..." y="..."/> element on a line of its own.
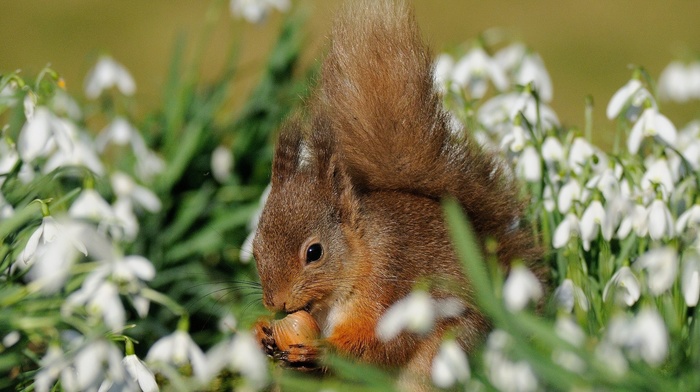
<point x="301" y="243"/>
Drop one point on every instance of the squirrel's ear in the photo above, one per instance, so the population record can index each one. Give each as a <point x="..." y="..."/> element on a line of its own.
<point x="348" y="204"/>
<point x="288" y="151"/>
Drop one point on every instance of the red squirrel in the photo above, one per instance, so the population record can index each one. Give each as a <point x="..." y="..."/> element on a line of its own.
<point x="354" y="218"/>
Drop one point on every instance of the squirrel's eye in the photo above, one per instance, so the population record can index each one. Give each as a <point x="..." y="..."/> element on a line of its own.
<point x="314" y="253"/>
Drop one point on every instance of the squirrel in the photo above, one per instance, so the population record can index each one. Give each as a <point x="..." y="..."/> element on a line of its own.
<point x="354" y="218"/>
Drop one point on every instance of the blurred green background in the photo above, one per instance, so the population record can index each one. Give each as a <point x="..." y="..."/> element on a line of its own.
<point x="587" y="46"/>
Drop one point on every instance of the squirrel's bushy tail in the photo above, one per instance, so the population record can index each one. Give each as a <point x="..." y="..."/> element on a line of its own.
<point x="391" y="131"/>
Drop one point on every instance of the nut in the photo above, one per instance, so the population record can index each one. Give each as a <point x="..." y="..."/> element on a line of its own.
<point x="297" y="328"/>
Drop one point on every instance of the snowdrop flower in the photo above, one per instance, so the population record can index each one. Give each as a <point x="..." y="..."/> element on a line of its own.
<point x="552" y="150"/>
<point x="54" y="365"/>
<point x="9" y="157"/>
<point x="607" y="183"/>
<point x="680" y="82"/>
<point x="569" y="192"/>
<point x="529" y="166"/>
<point x="48" y="232"/>
<point x="475" y="69"/>
<point x="100" y="298"/>
<point x="246" y="253"/>
<point x="82" y="154"/>
<point x="689" y="219"/>
<point x="661" y="265"/>
<point x="126" y="225"/>
<point x="625" y="286"/>
<point x="125" y="187"/>
<point x="106" y="74"/>
<point x="651" y="123"/>
<point x="643" y="336"/>
<point x="450" y="365"/>
<point x="637" y="219"/>
<point x="532" y="70"/>
<point x="568" y="294"/>
<point x="91" y="205"/>
<point x="658" y="173"/>
<point x="442" y="71"/>
<point x="255" y="11"/>
<point x="582" y="153"/>
<point x="690" y="279"/>
<point x="631" y="96"/>
<point x="515" y="140"/>
<point x="99" y="364"/>
<point x="52" y="259"/>
<point x="593" y="218"/>
<point x="660" y="221"/>
<point x="568" y="227"/>
<point x="179" y="349"/>
<point x="417" y="312"/>
<point x="140" y="373"/>
<point x="505" y="374"/>
<point x="568" y="330"/>
<point x="221" y="163"/>
<point x="39" y="135"/>
<point x="119" y="131"/>
<point x="521" y="287"/>
<point x="247" y="359"/>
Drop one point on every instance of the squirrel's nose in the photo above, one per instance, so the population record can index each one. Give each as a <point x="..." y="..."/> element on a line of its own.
<point x="275" y="302"/>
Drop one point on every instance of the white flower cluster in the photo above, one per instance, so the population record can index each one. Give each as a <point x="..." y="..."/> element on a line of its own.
<point x="75" y="253"/>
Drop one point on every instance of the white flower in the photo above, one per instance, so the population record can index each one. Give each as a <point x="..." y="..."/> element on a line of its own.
<point x="106" y="74"/>
<point x="126" y="223"/>
<point x="659" y="173"/>
<point x="179" y="349"/>
<point x="644" y="336"/>
<point x="417" y="312"/>
<point x="475" y="69"/>
<point x="52" y="260"/>
<point x="630" y="96"/>
<point x="529" y="165"/>
<point x="568" y="227"/>
<point x="11" y="339"/>
<point x="689" y="219"/>
<point x="100" y="298"/>
<point x="221" y="163"/>
<point x="49" y="231"/>
<point x="8" y="157"/>
<point x="552" y="150"/>
<point x="505" y="374"/>
<point x="568" y="294"/>
<point x="690" y="279"/>
<point x="625" y="286"/>
<point x="91" y="205"/>
<point x="661" y="265"/>
<point x="515" y="139"/>
<point x="607" y="183"/>
<point x="532" y="70"/>
<point x="660" y="221"/>
<point x="636" y="219"/>
<point x="568" y="330"/>
<point x="680" y="82"/>
<point x="581" y="153"/>
<point x="450" y="365"/>
<point x="125" y="187"/>
<point x="504" y="108"/>
<point x="442" y="71"/>
<point x="521" y="287"/>
<point x="139" y="373"/>
<point x="568" y="193"/>
<point x="651" y="123"/>
<point x="39" y="135"/>
<point x="593" y="218"/>
<point x="255" y="11"/>
<point x="98" y="363"/>
<point x="247" y="359"/>
<point x="54" y="365"/>
<point x="119" y="132"/>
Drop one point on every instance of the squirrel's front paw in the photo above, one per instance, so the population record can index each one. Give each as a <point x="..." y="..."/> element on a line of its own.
<point x="303" y="357"/>
<point x="263" y="335"/>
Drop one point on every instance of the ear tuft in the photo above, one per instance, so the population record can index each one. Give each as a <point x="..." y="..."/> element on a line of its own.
<point x="287" y="158"/>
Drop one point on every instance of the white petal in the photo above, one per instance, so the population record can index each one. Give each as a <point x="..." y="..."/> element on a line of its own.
<point x="690" y="280"/>
<point x="621" y="97"/>
<point x="140" y="373"/>
<point x="521" y="287"/>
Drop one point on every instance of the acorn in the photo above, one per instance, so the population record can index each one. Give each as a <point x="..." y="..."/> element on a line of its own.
<point x="297" y="328"/>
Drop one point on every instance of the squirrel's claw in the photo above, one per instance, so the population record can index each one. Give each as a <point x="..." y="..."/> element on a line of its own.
<point x="263" y="335"/>
<point x="301" y="357"/>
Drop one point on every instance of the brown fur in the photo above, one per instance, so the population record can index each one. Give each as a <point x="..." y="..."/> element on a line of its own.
<point x="363" y="174"/>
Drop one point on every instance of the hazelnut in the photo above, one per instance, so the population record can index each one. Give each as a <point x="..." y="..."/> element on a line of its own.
<point x="297" y="328"/>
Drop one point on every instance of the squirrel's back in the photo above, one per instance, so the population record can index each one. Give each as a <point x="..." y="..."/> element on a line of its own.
<point x="390" y="131"/>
